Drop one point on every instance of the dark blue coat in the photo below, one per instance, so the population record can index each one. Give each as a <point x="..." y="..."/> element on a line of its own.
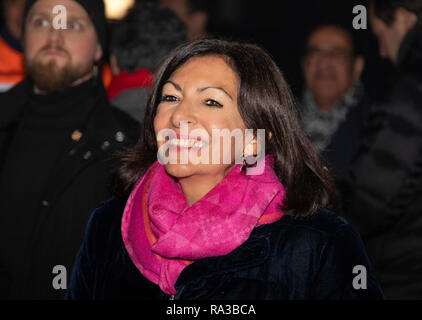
<point x="312" y="258"/>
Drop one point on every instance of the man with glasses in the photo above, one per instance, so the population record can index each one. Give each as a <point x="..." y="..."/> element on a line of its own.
<point x="331" y="70"/>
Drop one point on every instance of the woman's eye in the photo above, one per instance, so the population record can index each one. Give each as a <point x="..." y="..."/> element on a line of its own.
<point x="168" y="98"/>
<point x="213" y="103"/>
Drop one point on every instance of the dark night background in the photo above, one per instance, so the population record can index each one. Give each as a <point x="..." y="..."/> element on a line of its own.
<point x="281" y="27"/>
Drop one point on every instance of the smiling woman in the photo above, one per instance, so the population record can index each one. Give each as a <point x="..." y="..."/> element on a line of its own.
<point x="211" y="231"/>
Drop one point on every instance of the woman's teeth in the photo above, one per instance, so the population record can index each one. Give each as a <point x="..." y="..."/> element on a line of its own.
<point x="186" y="143"/>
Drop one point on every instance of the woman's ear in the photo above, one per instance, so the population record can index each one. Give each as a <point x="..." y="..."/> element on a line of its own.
<point x="251" y="148"/>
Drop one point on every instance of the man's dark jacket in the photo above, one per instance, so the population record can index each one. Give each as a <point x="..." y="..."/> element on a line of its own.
<point x="345" y="142"/>
<point x="79" y="183"/>
<point x="321" y="257"/>
<point x="383" y="196"/>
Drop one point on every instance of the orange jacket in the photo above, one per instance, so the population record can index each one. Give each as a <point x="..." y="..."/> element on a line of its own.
<point x="12" y="69"/>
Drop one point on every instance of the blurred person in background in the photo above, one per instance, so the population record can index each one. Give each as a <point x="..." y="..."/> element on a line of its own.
<point x="146" y="35"/>
<point x="334" y="94"/>
<point x="12" y="69"/>
<point x="383" y="197"/>
<point x="193" y="13"/>
<point x="57" y="130"/>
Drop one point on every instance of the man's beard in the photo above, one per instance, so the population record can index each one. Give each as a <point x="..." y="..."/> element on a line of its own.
<point x="49" y="77"/>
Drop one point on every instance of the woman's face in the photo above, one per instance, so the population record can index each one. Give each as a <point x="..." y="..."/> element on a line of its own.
<point x="198" y="99"/>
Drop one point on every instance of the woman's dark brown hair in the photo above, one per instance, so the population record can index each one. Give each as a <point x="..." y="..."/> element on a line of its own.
<point x="265" y="102"/>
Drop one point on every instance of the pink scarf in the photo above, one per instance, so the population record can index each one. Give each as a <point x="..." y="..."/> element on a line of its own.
<point x="163" y="235"/>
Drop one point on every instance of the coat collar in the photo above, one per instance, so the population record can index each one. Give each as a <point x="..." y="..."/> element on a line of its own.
<point x="98" y="127"/>
<point x="101" y="132"/>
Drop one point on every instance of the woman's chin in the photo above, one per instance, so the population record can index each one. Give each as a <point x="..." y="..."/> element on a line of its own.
<point x="181" y="170"/>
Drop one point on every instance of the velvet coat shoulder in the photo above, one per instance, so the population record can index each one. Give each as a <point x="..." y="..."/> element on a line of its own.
<point x="312" y="258"/>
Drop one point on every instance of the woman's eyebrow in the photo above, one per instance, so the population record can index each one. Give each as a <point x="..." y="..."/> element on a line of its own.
<point x="175" y="85"/>
<point x="178" y="88"/>
<point x="218" y="88"/>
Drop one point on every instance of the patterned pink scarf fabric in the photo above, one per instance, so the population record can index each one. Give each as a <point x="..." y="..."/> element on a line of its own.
<point x="163" y="234"/>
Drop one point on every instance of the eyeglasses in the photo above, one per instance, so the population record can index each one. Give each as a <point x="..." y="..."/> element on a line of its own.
<point x="335" y="55"/>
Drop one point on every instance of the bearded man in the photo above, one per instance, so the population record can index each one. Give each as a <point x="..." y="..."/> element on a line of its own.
<point x="57" y="131"/>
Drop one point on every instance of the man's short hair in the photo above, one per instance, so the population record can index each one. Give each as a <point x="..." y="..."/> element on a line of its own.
<point x="385" y="9"/>
<point x="356" y="49"/>
<point x="200" y="5"/>
<point x="145" y="36"/>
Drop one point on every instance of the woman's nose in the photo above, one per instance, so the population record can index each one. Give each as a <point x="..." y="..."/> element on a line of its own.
<point x="183" y="113"/>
